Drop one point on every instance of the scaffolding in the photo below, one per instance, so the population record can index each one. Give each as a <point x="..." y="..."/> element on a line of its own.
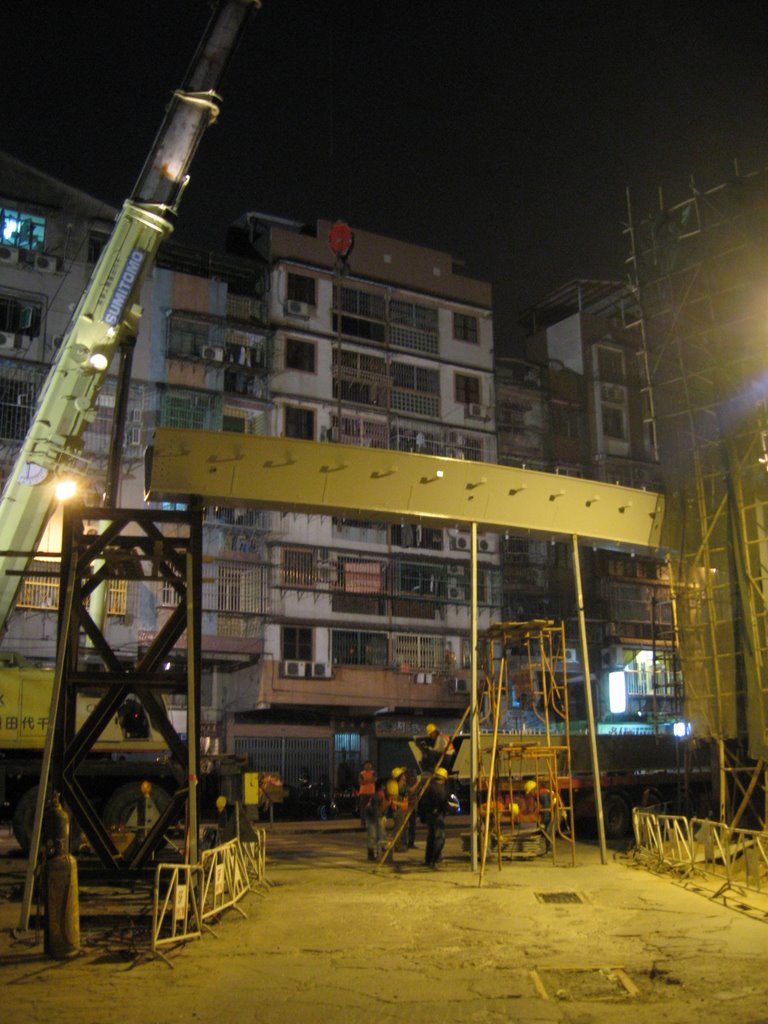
<point x="525" y="668"/>
<point x="700" y="270"/>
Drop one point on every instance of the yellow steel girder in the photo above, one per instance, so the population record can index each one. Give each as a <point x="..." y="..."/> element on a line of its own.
<point x="344" y="480"/>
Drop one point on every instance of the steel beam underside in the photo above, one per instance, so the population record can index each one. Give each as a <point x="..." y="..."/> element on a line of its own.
<point x="321" y="478"/>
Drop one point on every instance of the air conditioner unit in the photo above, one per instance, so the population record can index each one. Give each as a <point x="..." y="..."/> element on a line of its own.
<point x="295" y="669"/>
<point x="455" y="570"/>
<point x="9" y="254"/>
<point x="46" y="264"/>
<point x="571" y="656"/>
<point x="294" y="308"/>
<point x="214" y="353"/>
<point x="7" y="341"/>
<point x="459" y="543"/>
<point x="613" y="657"/>
<point x="484" y="545"/>
<point x="321" y="670"/>
<point x="460" y="685"/>
<point x="474" y="411"/>
<point x="455" y="593"/>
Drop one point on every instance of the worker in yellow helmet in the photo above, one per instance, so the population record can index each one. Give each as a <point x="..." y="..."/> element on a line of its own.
<point x="435" y="803"/>
<point x="436" y="748"/>
<point x="398" y="801"/>
<point x="542" y="802"/>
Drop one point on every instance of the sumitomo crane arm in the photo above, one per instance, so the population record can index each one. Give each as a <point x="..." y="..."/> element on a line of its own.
<point x="108" y="307"/>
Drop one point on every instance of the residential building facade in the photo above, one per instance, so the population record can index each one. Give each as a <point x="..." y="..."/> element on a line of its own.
<point x="322" y="637"/>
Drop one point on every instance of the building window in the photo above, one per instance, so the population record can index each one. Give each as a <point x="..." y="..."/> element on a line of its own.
<point x="96" y="242"/>
<point x="296" y="643"/>
<point x="298" y="567"/>
<point x="300" y="355"/>
<point x="465" y="327"/>
<point x="301" y="289"/>
<point x="610" y="364"/>
<point x="240" y="588"/>
<point x="467" y="389"/>
<point x="190" y="409"/>
<point x="413" y="326"/>
<point x="18" y="316"/>
<point x="299" y="422"/>
<point x="22" y="230"/>
<point x="613" y="421"/>
<point x="353" y="647"/>
<point x="362" y="314"/>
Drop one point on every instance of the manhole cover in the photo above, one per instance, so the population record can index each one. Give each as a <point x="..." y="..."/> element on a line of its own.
<point x="558" y="897"/>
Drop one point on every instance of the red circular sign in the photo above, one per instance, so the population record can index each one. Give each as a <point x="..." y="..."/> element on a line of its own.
<point x="341" y="239"/>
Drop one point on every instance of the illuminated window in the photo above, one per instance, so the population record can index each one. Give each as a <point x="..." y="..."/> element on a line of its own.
<point x="22" y="230"/>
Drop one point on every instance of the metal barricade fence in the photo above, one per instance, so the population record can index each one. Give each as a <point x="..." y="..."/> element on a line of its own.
<point x="254" y="858"/>
<point x="224" y="881"/>
<point x="737" y="857"/>
<point x="186" y="896"/>
<point x="175" y="908"/>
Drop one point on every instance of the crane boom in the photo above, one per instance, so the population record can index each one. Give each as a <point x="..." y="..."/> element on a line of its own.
<point x="108" y="310"/>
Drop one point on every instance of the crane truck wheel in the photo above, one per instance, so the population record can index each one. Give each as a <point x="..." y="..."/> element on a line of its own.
<point x="126" y="806"/>
<point x="617" y="815"/>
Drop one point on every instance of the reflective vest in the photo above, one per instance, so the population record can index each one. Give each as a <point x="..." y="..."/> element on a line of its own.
<point x="367" y="780"/>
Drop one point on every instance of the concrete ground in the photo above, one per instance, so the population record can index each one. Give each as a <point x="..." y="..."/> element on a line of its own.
<point x="334" y="942"/>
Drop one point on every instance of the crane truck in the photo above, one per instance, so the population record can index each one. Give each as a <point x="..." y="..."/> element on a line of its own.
<point x="107" y="313"/>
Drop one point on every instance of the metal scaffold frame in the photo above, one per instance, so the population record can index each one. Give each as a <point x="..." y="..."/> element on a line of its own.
<point x="525" y="664"/>
<point x="699" y="267"/>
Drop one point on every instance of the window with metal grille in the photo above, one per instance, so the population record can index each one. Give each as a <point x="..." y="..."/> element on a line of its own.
<point x="41" y="591"/>
<point x="358" y="647"/>
<point x="362" y="314"/>
<point x="182" y="408"/>
<point x="413" y="326"/>
<point x="187" y="337"/>
<point x="298" y="567"/>
<point x="18" y="394"/>
<point x="241" y="588"/>
<point x="20" y="316"/>
<point x="418" y="652"/>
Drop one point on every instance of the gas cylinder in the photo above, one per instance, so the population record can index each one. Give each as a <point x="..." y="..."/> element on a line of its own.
<point x="62" y="902"/>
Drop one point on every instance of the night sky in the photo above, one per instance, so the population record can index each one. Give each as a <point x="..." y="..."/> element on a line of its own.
<point x="504" y="133"/>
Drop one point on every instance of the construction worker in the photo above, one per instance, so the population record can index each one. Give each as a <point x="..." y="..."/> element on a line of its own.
<point x="436" y="748"/>
<point x="374" y="810"/>
<point x="366" y="787"/>
<point x="542" y="801"/>
<point x="435" y="804"/>
<point x="398" y="801"/>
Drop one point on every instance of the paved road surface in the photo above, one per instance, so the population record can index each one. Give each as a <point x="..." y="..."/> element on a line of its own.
<point x="334" y="942"/>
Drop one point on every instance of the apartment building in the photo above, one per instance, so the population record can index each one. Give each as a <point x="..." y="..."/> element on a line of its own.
<point x="324" y="639"/>
<point x="577" y="405"/>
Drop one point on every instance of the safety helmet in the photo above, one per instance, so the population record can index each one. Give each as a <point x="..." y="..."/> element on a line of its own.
<point x="515" y="808"/>
<point x="529" y="787"/>
<point x="441" y="773"/>
<point x="221" y="803"/>
<point x="432" y="728"/>
<point x="397" y="772"/>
